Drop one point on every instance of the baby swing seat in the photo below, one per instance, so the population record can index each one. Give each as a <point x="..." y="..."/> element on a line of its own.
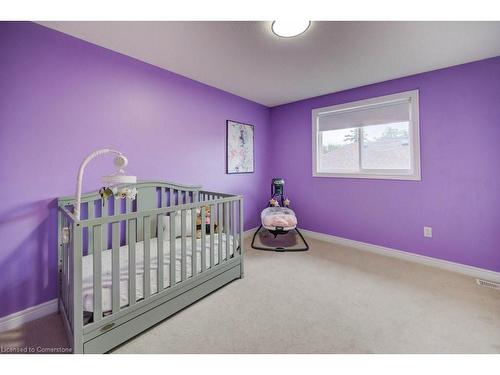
<point x="278" y="218"/>
<point x="278" y="230"/>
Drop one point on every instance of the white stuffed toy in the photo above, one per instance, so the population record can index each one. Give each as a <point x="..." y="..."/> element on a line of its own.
<point x="127" y="193"/>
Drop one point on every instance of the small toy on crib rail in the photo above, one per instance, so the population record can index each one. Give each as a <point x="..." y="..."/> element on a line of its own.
<point x="200" y="225"/>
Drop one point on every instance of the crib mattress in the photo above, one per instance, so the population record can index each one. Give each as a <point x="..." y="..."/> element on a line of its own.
<point x="87" y="268"/>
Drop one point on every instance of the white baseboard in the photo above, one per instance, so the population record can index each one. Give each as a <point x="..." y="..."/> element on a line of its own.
<point x="19" y="318"/>
<point x="463" y="269"/>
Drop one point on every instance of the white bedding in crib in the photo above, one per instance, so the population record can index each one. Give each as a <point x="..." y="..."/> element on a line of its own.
<point x="87" y="270"/>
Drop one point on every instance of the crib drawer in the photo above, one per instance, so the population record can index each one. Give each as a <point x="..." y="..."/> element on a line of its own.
<point x="119" y="334"/>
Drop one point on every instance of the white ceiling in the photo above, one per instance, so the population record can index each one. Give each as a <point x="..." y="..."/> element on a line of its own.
<point x="246" y="59"/>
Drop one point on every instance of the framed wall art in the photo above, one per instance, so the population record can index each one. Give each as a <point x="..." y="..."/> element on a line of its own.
<point x="240" y="147"/>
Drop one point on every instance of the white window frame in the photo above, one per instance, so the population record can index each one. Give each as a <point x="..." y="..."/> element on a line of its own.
<point x="391" y="174"/>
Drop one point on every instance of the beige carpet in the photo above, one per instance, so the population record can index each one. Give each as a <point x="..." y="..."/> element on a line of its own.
<point x="328" y="300"/>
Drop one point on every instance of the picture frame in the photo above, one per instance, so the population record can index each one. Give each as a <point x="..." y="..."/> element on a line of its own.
<point x="240" y="156"/>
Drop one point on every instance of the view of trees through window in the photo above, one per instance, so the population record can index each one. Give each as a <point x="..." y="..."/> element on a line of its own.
<point x="384" y="147"/>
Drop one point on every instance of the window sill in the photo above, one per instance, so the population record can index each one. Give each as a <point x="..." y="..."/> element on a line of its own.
<point x="413" y="177"/>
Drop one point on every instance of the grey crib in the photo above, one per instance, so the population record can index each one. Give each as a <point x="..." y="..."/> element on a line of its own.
<point x="123" y="242"/>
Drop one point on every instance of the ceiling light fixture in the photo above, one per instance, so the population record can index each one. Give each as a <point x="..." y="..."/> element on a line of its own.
<point x="289" y="29"/>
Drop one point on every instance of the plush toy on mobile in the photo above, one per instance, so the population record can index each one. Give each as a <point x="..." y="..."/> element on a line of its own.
<point x="122" y="193"/>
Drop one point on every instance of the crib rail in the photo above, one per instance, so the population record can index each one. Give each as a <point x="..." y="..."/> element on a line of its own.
<point x="165" y="231"/>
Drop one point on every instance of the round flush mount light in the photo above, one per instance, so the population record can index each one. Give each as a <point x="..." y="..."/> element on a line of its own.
<point x="289" y="29"/>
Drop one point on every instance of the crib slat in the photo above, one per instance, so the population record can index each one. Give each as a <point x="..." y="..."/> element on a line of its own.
<point x="183" y="245"/>
<point x="220" y="223"/>
<point x="117" y="207"/>
<point x="90" y="232"/>
<point x="115" y="266"/>
<point x="105" y="213"/>
<point x="212" y="238"/>
<point x="203" y="239"/>
<point x="131" y="261"/>
<point x="226" y="229"/>
<point x="69" y="295"/>
<point x="147" y="257"/>
<point x="70" y="281"/>
<point x="97" y="271"/>
<point x="242" y="268"/>
<point x="76" y="281"/>
<point x="194" y="268"/>
<point x="233" y="224"/>
<point x="128" y="209"/>
<point x="172" y="248"/>
<point x="69" y="262"/>
<point x="64" y="276"/>
<point x="159" y="238"/>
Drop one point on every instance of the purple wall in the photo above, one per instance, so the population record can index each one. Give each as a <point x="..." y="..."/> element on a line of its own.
<point x="460" y="151"/>
<point x="62" y="98"/>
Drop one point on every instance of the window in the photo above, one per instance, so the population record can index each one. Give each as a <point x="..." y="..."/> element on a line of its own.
<point x="373" y="138"/>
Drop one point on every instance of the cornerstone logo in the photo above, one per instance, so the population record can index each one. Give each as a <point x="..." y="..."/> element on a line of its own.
<point x="32" y="349"/>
